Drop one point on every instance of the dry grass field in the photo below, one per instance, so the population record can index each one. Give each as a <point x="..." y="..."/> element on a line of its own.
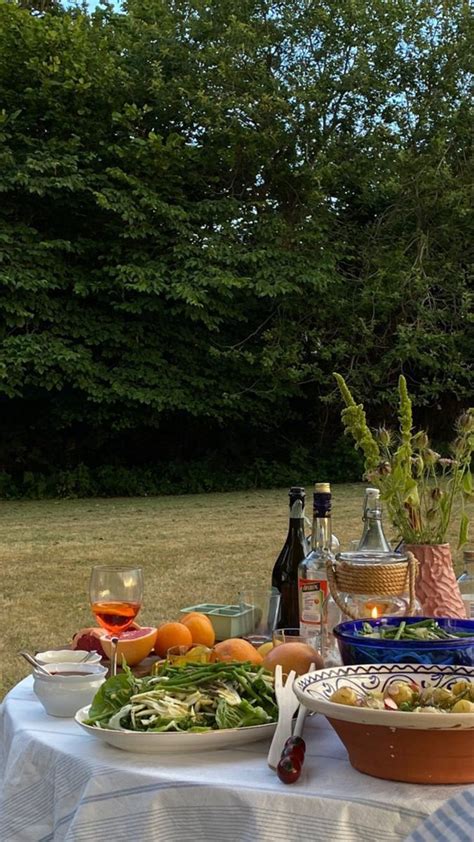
<point x="196" y="548"/>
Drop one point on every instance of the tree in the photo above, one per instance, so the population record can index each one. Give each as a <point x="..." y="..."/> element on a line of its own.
<point x="209" y="207"/>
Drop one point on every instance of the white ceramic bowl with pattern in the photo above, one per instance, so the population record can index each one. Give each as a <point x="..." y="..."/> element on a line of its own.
<point x="394" y="744"/>
<point x="315" y="690"/>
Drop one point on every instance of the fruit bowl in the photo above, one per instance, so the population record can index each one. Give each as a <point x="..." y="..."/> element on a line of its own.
<point x="358" y="649"/>
<point x="397" y="745"/>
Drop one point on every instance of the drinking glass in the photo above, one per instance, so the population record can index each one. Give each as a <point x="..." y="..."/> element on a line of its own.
<point x="193" y="654"/>
<point x="260" y="607"/>
<point x="115" y="595"/>
<point x="295" y="635"/>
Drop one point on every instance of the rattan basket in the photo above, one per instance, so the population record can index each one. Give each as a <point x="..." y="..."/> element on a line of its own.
<point x="391" y="579"/>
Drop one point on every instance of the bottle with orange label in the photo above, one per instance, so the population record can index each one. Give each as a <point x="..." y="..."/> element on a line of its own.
<point x="312" y="578"/>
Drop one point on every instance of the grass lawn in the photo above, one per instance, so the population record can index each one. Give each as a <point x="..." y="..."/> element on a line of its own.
<point x="196" y="548"/>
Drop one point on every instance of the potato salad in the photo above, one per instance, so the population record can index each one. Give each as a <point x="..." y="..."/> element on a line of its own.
<point x="408" y="696"/>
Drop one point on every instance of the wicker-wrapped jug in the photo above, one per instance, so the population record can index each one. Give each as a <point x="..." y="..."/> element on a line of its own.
<point x="373" y="584"/>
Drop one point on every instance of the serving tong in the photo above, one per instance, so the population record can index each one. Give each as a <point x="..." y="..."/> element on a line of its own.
<point x="287" y="705"/>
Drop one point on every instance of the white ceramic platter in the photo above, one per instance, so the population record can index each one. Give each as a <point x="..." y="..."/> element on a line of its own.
<point x="315" y="689"/>
<point x="173" y="741"/>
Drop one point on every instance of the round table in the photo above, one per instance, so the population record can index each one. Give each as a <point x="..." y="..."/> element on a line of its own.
<point x="59" y="783"/>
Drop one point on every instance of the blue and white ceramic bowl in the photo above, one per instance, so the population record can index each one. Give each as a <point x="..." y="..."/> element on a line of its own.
<point x="397" y="745"/>
<point x="359" y="649"/>
<point x="315" y="689"/>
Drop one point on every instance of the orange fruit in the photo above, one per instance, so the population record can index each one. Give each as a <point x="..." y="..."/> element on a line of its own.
<point x="134" y="645"/>
<point x="171" y="634"/>
<point x="201" y="628"/>
<point x="236" y="649"/>
<point x="293" y="656"/>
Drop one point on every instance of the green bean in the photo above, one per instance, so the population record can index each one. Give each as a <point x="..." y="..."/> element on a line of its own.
<point x="410" y="631"/>
<point x="400" y="630"/>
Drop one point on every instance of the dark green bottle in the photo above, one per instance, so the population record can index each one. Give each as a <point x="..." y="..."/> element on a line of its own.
<point x="285" y="570"/>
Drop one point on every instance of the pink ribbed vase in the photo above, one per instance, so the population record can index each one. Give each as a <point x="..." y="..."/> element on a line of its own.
<point x="436" y="585"/>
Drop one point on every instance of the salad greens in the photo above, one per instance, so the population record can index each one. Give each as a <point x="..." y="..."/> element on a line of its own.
<point x="423" y="630"/>
<point x="191" y="697"/>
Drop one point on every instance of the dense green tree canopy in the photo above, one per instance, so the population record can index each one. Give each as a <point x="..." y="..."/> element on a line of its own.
<point x="208" y="206"/>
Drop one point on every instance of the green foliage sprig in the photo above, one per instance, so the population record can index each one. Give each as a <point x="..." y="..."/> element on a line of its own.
<point x="419" y="487"/>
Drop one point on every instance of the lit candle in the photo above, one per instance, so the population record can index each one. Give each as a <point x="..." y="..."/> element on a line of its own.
<point x="377" y="607"/>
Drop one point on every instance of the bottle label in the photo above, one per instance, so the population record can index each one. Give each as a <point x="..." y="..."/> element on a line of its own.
<point x="297" y="509"/>
<point x="312" y="593"/>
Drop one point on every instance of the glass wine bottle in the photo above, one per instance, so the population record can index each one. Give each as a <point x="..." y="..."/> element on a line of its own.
<point x="312" y="577"/>
<point x="285" y="570"/>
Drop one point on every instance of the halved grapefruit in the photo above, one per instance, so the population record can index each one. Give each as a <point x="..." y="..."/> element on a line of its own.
<point x="134" y="645"/>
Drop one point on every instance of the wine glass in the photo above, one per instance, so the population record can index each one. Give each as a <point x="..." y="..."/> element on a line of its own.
<point x="115" y="595"/>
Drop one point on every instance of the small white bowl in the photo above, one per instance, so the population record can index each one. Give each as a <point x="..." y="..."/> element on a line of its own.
<point x="67" y="656"/>
<point x="63" y="694"/>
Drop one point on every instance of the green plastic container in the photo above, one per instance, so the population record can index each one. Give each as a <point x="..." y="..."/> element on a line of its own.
<point x="227" y="620"/>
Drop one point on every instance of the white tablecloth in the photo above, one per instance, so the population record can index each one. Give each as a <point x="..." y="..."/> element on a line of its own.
<point x="61" y="784"/>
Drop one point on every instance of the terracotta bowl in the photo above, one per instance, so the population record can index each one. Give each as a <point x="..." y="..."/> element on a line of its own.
<point x="436" y="748"/>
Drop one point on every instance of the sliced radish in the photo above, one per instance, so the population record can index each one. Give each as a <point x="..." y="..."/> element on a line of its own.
<point x="390" y="704"/>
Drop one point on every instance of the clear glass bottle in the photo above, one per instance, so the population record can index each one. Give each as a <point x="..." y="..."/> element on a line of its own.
<point x="285" y="570"/>
<point x="466" y="583"/>
<point x="335" y="545"/>
<point x="373" y="537"/>
<point x="312" y="577"/>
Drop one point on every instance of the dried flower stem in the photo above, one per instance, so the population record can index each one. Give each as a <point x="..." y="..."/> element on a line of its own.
<point x="419" y="487"/>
